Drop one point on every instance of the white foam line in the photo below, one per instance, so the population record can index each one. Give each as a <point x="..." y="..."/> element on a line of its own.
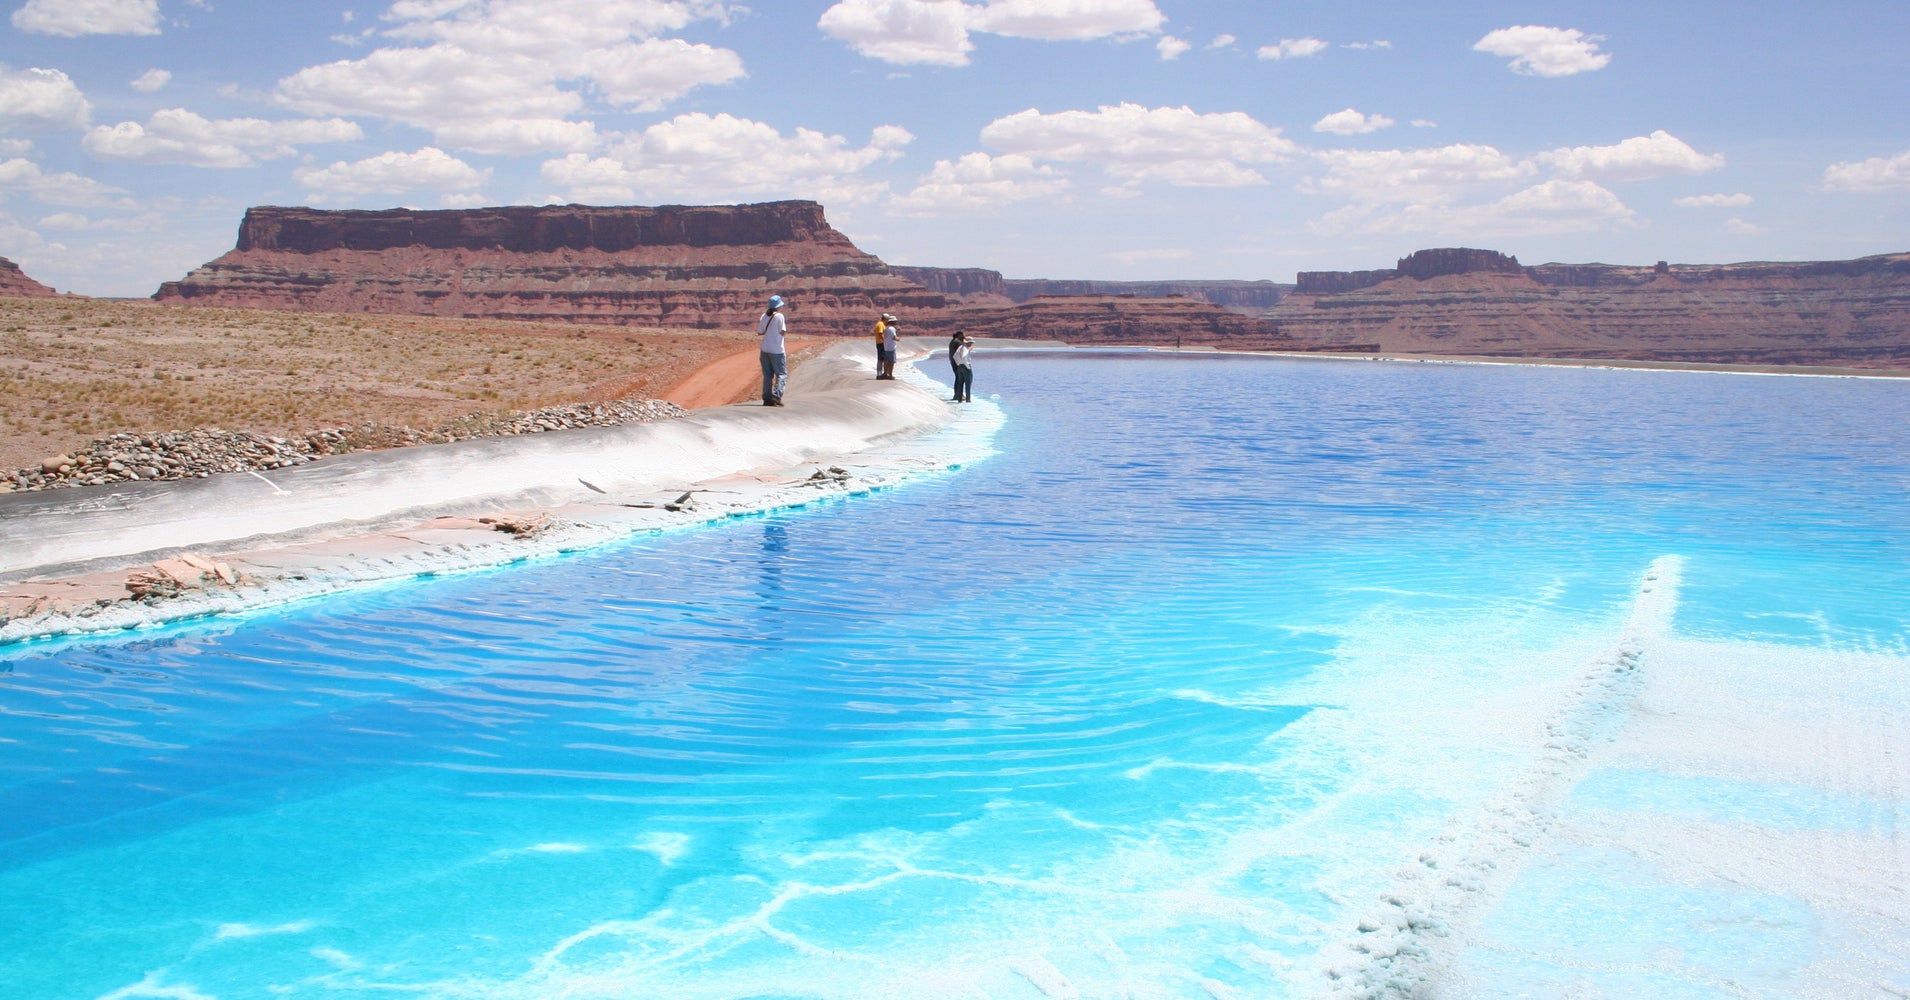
<point x="268" y="482"/>
<point x="1417" y="927"/>
<point x="152" y="987"/>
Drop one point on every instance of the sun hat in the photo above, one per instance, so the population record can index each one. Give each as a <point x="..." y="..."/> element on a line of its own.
<point x="886" y="318"/>
<point x="775" y="302"/>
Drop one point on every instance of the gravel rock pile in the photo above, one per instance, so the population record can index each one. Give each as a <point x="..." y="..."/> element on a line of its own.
<point x="198" y="453"/>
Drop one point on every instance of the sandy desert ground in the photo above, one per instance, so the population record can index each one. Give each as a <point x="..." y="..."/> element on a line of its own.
<point x="73" y="369"/>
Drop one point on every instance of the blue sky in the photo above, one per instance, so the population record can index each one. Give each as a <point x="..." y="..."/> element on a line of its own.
<point x="1119" y="139"/>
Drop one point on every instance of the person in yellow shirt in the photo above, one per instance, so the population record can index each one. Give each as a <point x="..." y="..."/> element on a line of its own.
<point x="886" y="331"/>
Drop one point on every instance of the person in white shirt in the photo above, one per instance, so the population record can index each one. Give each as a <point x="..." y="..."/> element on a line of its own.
<point x="775" y="360"/>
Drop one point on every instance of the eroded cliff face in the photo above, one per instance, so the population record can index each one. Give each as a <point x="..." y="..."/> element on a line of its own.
<point x="676" y="266"/>
<point x="1844" y="313"/>
<point x="14" y="281"/>
<point x="1120" y="319"/>
<point x="967" y="285"/>
<point x="714" y="267"/>
<point x="975" y="286"/>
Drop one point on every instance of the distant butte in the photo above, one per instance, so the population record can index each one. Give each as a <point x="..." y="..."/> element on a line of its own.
<point x="1853" y="313"/>
<point x="711" y="267"/>
<point x="13" y="281"/>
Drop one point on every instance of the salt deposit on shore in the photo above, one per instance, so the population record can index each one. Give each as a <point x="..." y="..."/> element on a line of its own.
<point x="125" y="555"/>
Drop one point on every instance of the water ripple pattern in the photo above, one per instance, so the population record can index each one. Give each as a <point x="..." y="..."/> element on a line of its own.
<point x="1154" y="702"/>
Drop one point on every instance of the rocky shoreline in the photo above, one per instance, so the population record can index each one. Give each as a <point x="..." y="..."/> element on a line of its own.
<point x="202" y="452"/>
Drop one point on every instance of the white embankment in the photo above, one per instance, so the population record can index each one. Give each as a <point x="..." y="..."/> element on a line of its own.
<point x="364" y="518"/>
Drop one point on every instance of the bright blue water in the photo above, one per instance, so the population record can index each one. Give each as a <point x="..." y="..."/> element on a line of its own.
<point x="1149" y="703"/>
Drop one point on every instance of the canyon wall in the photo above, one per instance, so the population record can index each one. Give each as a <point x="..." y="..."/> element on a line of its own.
<point x="1103" y="320"/>
<point x="980" y="286"/>
<point x="1419" y="265"/>
<point x="959" y="284"/>
<point x="1248" y="297"/>
<point x="715" y="266"/>
<point x="1840" y="313"/>
<point x="674" y="266"/>
<point x="14" y="281"/>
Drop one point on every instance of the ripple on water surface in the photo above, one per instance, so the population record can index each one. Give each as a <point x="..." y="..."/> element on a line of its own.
<point x="1152" y="701"/>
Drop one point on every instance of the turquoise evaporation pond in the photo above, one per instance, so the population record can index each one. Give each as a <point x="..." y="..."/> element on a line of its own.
<point x="1144" y="704"/>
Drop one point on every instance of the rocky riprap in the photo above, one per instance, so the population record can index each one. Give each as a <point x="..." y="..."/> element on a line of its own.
<point x="196" y="454"/>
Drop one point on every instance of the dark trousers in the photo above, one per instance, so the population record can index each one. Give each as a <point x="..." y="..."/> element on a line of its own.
<point x="775" y="373"/>
<point x="964" y="382"/>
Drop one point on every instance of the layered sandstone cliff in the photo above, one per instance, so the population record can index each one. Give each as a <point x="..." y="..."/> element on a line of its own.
<point x="1846" y="313"/>
<point x="1247" y="297"/>
<point x="1112" y="320"/>
<point x="14" y="281"/>
<point x="674" y="266"/>
<point x="982" y="287"/>
<point x="714" y="266"/>
<point x="1420" y="264"/>
<point x="964" y="285"/>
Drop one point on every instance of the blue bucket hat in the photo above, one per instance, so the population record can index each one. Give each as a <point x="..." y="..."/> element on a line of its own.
<point x="775" y="302"/>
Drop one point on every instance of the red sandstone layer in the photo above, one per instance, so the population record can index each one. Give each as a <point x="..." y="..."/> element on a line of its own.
<point x="708" y="267"/>
<point x="1851" y="313"/>
<point x="13" y="281"/>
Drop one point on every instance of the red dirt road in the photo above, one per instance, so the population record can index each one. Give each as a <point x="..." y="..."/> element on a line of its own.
<point x="732" y="379"/>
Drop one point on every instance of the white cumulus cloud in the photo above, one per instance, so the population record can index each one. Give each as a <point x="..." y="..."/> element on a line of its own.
<point x="1713" y="201"/>
<point x="1554" y="206"/>
<point x="1351" y="122"/>
<point x="650" y="74"/>
<point x="508" y="136"/>
<point x="1659" y="154"/>
<point x="1436" y="175"/>
<point x="978" y="182"/>
<point x="1172" y="48"/>
<point x="1542" y="51"/>
<point x="41" y="99"/>
<point x="1134" y="144"/>
<point x="715" y="156"/>
<point x="1292" y="48"/>
<point x="1466" y="191"/>
<point x="23" y="176"/>
<point x="73" y="18"/>
<point x="436" y="88"/>
<point x="175" y="135"/>
<point x="143" y="222"/>
<point x="549" y="28"/>
<point x="429" y="168"/>
<point x="1069" y="20"/>
<point x="938" y="32"/>
<point x="509" y="77"/>
<point x="905" y="32"/>
<point x="151" y="80"/>
<point x="1879" y="173"/>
